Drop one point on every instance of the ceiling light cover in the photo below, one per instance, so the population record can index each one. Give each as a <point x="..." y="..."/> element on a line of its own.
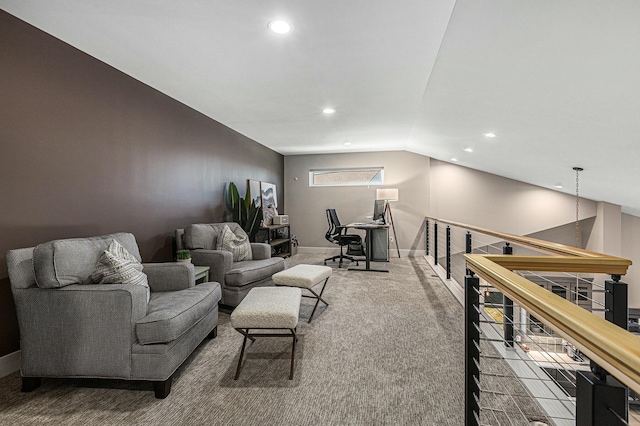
<point x="468" y="149"/>
<point x="328" y="111"/>
<point x="489" y="135"/>
<point x="280" y="27"/>
<point x="454" y="160"/>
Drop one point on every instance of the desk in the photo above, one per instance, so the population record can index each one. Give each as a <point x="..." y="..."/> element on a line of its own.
<point x="367" y="227"/>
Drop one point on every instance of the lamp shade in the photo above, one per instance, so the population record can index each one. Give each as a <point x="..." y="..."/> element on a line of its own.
<point x="388" y="194"/>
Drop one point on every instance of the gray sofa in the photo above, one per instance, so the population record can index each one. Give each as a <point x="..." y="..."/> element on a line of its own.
<point x="235" y="278"/>
<point x="70" y="327"/>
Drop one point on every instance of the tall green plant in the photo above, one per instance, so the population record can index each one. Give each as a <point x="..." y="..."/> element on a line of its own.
<point x="244" y="210"/>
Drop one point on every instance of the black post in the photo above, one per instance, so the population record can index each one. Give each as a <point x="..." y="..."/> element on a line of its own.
<point x="597" y="400"/>
<point x="435" y="243"/>
<point x="448" y="252"/>
<point x="507" y="313"/>
<point x="616" y="302"/>
<point x="426" y="236"/>
<point x="471" y="350"/>
<point x="597" y="392"/>
<point x="468" y="247"/>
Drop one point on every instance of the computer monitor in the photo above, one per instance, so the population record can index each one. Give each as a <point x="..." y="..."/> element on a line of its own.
<point x="378" y="211"/>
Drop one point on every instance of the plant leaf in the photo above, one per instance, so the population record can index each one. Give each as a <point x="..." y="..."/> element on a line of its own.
<point x="253" y="222"/>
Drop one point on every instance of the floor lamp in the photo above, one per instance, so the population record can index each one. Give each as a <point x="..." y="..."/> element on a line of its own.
<point x="389" y="194"/>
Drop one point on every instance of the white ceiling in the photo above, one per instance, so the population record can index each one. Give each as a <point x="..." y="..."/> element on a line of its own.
<point x="557" y="81"/>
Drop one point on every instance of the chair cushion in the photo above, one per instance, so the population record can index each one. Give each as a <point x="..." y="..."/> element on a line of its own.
<point x="247" y="272"/>
<point x="205" y="235"/>
<point x="63" y="262"/>
<point x="236" y="242"/>
<point x="118" y="266"/>
<point x="200" y="236"/>
<point x="172" y="313"/>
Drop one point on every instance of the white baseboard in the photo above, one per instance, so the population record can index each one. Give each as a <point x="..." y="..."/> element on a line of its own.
<point x="451" y="284"/>
<point x="9" y="363"/>
<point x="332" y="250"/>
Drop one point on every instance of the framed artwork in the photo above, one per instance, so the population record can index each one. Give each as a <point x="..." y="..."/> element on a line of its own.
<point x="256" y="194"/>
<point x="269" y="201"/>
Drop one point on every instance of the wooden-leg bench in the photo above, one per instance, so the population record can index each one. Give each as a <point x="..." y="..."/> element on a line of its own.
<point x="267" y="308"/>
<point x="305" y="276"/>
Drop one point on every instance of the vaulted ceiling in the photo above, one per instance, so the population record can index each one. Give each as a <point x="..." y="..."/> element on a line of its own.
<point x="557" y="82"/>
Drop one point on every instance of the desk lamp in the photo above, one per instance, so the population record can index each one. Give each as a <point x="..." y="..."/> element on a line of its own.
<point x="389" y="194"/>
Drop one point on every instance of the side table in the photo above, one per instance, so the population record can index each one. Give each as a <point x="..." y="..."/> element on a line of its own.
<point x="202" y="273"/>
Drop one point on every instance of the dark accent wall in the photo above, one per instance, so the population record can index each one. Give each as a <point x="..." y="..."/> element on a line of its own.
<point x="88" y="150"/>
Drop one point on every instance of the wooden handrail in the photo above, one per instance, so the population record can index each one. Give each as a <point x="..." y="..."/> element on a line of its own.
<point x="612" y="347"/>
<point x="541" y="245"/>
<point x="576" y="259"/>
<point x="605" y="265"/>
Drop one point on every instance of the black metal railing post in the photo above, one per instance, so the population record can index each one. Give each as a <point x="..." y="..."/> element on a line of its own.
<point x="507" y="314"/>
<point x="600" y="398"/>
<point x="435" y="243"/>
<point x="472" y="350"/>
<point x="467" y="248"/>
<point x="598" y="402"/>
<point x="426" y="236"/>
<point x="616" y="302"/>
<point x="448" y="252"/>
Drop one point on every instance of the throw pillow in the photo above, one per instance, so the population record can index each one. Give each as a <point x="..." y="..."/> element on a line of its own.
<point x="238" y="244"/>
<point x="117" y="266"/>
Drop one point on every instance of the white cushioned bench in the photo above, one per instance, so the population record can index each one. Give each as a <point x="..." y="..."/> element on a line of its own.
<point x="305" y="276"/>
<point x="272" y="308"/>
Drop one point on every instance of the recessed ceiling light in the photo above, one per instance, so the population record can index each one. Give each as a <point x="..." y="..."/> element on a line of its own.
<point x="454" y="160"/>
<point x="468" y="149"/>
<point x="280" y="27"/>
<point x="347" y="143"/>
<point x="557" y="186"/>
<point x="328" y="111"/>
<point x="489" y="135"/>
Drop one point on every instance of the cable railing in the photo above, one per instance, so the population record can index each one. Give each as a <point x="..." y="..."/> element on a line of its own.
<point x="546" y="341"/>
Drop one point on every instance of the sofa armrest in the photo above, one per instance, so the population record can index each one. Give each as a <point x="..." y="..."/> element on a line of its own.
<point x="260" y="251"/>
<point x="79" y="330"/>
<point x="169" y="276"/>
<point x="219" y="262"/>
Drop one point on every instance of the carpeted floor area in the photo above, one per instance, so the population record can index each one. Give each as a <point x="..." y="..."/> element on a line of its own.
<point x="388" y="350"/>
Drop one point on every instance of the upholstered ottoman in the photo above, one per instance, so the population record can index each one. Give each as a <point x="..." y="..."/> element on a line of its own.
<point x="305" y="276"/>
<point x="272" y="308"/>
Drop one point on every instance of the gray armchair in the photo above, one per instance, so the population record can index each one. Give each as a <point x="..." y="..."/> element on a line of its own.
<point x="235" y="278"/>
<point x="70" y="327"/>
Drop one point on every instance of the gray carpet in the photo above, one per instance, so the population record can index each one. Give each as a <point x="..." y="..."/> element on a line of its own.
<point x="388" y="350"/>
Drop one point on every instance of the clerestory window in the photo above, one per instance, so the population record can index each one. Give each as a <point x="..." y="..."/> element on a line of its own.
<point x="363" y="176"/>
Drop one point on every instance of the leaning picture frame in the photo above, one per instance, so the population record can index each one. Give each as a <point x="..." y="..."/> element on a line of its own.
<point x="256" y="194"/>
<point x="269" y="198"/>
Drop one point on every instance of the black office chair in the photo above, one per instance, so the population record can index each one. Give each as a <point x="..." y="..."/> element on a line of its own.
<point x="335" y="235"/>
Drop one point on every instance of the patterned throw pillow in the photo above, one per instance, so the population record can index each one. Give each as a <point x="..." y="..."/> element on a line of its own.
<point x="238" y="244"/>
<point x="117" y="266"/>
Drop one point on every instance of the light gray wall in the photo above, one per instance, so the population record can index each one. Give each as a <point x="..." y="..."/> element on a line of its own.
<point x="490" y="201"/>
<point x="306" y="205"/>
<point x="631" y="250"/>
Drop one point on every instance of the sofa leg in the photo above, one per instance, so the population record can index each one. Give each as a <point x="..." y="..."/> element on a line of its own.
<point x="162" y="389"/>
<point x="213" y="334"/>
<point x="30" y="383"/>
